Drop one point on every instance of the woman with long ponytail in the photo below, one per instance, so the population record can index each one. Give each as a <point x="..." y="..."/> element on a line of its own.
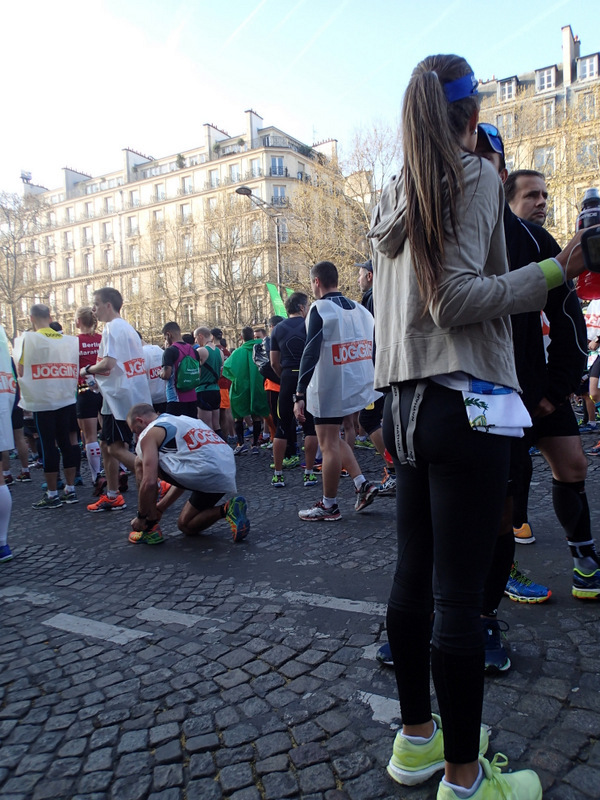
<point x="443" y="295"/>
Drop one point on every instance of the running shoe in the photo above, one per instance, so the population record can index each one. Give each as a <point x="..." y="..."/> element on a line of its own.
<point x="384" y="655"/>
<point x="267" y="446"/>
<point x="309" y="479"/>
<point x="496" y="657"/>
<point x="48" y="502"/>
<point x="289" y="463"/>
<point x="318" y="513"/>
<point x="23" y="477"/>
<point x="367" y="443"/>
<point x="163" y="488"/>
<point x="412" y="763"/>
<point x="255" y="450"/>
<point x="153" y="536"/>
<point x="522" y="589"/>
<point x="8" y="480"/>
<point x="278" y="481"/>
<point x="344" y="473"/>
<point x="365" y="496"/>
<point x="587" y="428"/>
<point x="521" y="785"/>
<point x="387" y="487"/>
<point x="586" y="586"/>
<point x="78" y="480"/>
<point x="236" y="514"/>
<point x="104" y="503"/>
<point x="593" y="451"/>
<point x="69" y="497"/>
<point x="524" y="534"/>
<point x="241" y="448"/>
<point x="5" y="554"/>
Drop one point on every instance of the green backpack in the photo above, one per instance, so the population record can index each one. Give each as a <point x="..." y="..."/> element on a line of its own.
<point x="188" y="373"/>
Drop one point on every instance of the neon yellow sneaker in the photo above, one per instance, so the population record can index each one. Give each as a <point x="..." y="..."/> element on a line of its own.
<point x="411" y="763"/>
<point x="522" y="785"/>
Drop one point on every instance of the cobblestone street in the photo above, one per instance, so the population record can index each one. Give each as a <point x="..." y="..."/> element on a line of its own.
<point x="204" y="670"/>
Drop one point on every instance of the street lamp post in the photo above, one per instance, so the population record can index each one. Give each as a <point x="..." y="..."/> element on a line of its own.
<point x="246" y="191"/>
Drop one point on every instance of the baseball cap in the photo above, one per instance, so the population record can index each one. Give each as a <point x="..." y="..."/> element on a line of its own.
<point x="368" y="265"/>
<point x="488" y="134"/>
<point x="217" y="332"/>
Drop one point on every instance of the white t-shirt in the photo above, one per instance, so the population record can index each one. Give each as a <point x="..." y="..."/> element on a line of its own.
<point x="127" y="383"/>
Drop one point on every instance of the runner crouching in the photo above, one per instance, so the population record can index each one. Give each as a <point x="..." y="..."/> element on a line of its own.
<point x="190" y="456"/>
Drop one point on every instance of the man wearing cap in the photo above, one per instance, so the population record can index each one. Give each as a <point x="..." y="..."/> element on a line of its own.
<point x="547" y="384"/>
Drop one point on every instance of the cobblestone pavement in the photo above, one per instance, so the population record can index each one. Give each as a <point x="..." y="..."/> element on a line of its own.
<point x="202" y="670"/>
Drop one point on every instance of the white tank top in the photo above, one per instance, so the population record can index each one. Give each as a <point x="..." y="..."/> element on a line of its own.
<point x="194" y="455"/>
<point x="342" y="382"/>
<point x="50" y="372"/>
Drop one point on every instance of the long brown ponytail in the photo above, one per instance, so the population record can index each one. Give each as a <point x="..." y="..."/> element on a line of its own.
<point x="433" y="172"/>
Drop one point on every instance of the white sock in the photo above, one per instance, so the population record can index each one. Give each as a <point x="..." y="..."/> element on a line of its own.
<point x="52" y="494"/>
<point x="421" y="739"/>
<point x="69" y="488"/>
<point x="359" y="480"/>
<point x="460" y="791"/>
<point x="94" y="458"/>
<point x="329" y="502"/>
<point x="5" y="509"/>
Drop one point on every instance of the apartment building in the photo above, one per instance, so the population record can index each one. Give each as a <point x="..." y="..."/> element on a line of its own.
<point x="549" y="119"/>
<point x="171" y="233"/>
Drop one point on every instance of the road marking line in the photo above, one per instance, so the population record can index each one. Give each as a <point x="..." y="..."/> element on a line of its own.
<point x="323" y="601"/>
<point x="95" y="629"/>
<point x="385" y="709"/>
<point x="12" y="594"/>
<point x="168" y="617"/>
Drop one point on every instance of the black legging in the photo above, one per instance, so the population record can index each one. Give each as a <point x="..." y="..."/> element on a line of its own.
<point x="448" y="515"/>
<point x="53" y="428"/>
<point x="286" y="429"/>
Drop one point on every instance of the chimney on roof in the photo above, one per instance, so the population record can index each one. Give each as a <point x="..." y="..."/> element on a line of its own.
<point x="570" y="53"/>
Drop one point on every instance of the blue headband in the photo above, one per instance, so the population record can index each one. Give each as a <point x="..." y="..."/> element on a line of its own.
<point x="460" y="88"/>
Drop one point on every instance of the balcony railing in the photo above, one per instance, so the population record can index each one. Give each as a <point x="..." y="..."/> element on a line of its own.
<point x="278" y="171"/>
<point x="279" y="201"/>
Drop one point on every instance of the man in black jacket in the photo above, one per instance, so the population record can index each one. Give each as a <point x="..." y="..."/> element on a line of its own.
<point x="547" y="384"/>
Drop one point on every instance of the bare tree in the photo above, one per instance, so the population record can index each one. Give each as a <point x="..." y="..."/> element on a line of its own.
<point x="20" y="220"/>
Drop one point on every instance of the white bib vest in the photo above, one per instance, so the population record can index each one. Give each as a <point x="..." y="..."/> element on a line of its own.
<point x="201" y="462"/>
<point x="127" y="383"/>
<point x="50" y="372"/>
<point x="153" y="358"/>
<point x="8" y="390"/>
<point x="342" y="382"/>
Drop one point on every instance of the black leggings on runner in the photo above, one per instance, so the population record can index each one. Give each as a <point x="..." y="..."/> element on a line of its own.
<point x="53" y="428"/>
<point x="448" y="512"/>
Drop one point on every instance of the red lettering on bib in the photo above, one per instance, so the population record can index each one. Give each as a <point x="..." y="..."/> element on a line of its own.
<point x="154" y="373"/>
<point x="8" y="385"/>
<point x="199" y="436"/>
<point x="352" y="351"/>
<point x="135" y="367"/>
<point x="45" y="371"/>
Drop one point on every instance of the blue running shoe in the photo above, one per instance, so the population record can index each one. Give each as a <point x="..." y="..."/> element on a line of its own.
<point x="522" y="589"/>
<point x="384" y="655"/>
<point x="586" y="587"/>
<point x="236" y="514"/>
<point x="5" y="554"/>
<point x="496" y="657"/>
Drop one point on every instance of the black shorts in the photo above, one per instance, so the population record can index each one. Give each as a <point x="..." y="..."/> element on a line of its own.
<point x="561" y="422"/>
<point x="210" y="400"/>
<point x="328" y="420"/>
<point x="203" y="500"/>
<point x="16" y="418"/>
<point x="88" y="404"/>
<point x="370" y="418"/>
<point x="594" y="370"/>
<point x="182" y="409"/>
<point x="115" y="430"/>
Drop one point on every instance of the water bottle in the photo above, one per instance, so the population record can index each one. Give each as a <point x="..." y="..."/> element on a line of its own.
<point x="92" y="382"/>
<point x="588" y="283"/>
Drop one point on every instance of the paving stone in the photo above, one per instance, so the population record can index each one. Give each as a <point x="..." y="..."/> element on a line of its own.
<point x="204" y="789"/>
<point x="104" y="736"/>
<point x="132" y="741"/>
<point x="280" y="785"/>
<point x="200" y="744"/>
<point x="98" y="760"/>
<point x="317" y="778"/>
<point x="65" y="767"/>
<point x="163" y="733"/>
<point x="226" y="756"/>
<point x="166" y="776"/>
<point x="201" y="765"/>
<point x="53" y="789"/>
<point x="168" y="753"/>
<point x="131" y="788"/>
<point x="133" y="764"/>
<point x="272" y="745"/>
<point x="236" y="776"/>
<point x="95" y="782"/>
<point x="239" y="734"/>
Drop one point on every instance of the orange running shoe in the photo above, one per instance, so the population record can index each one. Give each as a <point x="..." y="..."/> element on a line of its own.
<point x="104" y="503"/>
<point x="163" y="488"/>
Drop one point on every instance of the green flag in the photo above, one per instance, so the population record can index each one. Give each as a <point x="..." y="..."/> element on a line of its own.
<point x="276" y="301"/>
